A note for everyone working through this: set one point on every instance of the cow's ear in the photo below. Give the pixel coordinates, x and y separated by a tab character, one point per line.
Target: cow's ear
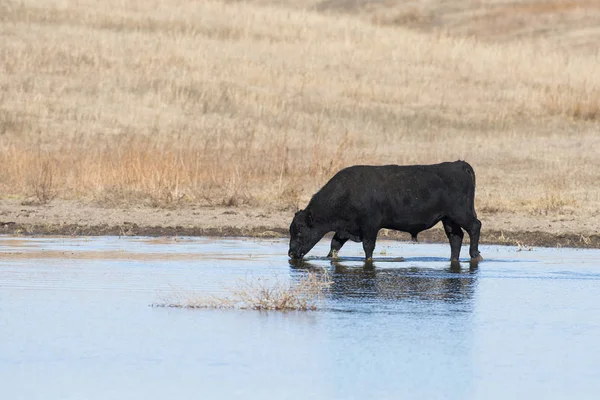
309	219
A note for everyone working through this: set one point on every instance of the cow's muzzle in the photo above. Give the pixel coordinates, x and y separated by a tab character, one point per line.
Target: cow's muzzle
295	256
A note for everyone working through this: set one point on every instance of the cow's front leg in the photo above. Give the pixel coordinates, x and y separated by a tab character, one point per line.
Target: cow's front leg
336	244
455	237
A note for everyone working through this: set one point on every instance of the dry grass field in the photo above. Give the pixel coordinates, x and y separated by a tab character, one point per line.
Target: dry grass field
570	25
176	103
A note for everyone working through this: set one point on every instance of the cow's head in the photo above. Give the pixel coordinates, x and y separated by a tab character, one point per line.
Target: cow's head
303	234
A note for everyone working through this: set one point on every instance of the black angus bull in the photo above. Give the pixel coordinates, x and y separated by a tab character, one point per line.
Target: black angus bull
360	200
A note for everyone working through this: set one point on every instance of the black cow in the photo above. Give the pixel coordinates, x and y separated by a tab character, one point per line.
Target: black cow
360	200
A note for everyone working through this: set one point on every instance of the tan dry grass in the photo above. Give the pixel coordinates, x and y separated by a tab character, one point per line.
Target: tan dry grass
572	25
170	102
261	295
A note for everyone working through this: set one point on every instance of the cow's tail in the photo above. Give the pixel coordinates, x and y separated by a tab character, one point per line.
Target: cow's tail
469	170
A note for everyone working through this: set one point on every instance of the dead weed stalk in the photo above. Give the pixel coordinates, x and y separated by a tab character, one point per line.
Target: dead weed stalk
263	294
42	184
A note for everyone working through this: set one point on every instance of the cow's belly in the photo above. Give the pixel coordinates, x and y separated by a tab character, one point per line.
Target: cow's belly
413	216
412	225
353	235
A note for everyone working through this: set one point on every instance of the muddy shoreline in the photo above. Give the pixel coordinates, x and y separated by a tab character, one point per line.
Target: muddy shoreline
523	239
76	218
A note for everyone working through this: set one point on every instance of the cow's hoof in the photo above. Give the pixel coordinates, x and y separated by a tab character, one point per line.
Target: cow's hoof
332	254
477	259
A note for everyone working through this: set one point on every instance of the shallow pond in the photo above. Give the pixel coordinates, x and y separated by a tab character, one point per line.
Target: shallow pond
76	323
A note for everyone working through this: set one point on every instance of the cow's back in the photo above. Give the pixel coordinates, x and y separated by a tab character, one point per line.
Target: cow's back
396	195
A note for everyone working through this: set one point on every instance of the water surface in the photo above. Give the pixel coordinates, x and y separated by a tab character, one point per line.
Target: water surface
75	323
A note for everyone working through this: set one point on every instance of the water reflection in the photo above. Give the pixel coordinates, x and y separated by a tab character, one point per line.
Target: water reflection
453	284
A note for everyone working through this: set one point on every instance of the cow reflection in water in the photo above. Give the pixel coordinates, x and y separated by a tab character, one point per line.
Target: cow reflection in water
450	284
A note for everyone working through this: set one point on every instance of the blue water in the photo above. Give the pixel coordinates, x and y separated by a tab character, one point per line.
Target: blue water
75	323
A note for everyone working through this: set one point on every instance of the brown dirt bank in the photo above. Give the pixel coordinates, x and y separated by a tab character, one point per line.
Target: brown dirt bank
73	218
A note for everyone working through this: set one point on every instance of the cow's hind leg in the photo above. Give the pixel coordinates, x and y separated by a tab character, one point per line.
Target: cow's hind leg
474	229
336	244
455	237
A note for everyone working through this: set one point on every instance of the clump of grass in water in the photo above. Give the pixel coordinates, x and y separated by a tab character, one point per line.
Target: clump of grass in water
263	295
